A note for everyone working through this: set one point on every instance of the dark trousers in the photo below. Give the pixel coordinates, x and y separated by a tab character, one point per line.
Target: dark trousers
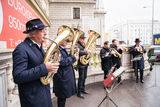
105	73
141	73
82	79
61	102
119	77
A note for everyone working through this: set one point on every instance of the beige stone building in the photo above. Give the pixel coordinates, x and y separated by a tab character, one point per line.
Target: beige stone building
83	14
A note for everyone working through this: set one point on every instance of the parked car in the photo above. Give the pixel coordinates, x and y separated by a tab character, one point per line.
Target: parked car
154	55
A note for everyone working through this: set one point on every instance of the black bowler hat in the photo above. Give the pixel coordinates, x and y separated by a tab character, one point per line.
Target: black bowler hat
82	36
34	24
137	40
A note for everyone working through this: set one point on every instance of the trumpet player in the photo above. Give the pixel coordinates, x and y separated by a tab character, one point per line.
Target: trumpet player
116	60
82	69
28	67
106	58
138	50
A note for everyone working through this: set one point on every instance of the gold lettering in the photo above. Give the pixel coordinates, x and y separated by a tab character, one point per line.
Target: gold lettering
157	41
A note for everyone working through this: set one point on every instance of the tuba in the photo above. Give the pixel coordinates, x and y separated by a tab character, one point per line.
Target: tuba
52	53
74	48
89	46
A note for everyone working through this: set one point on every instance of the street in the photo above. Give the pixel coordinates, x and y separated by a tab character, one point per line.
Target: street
128	94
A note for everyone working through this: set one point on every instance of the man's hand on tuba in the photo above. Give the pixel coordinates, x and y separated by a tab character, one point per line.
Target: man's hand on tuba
89	51
52	67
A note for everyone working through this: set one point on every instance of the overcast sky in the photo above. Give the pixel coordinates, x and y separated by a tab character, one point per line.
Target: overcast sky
121	10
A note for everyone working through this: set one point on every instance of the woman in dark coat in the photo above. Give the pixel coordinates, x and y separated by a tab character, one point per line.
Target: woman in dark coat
140	63
64	79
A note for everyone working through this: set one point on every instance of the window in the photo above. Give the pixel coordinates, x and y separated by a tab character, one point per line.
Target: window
76	13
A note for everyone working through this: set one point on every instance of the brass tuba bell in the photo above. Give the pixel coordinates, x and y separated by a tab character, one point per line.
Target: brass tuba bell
52	53
89	46
74	48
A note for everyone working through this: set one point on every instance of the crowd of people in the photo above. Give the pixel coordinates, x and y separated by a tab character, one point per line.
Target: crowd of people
28	67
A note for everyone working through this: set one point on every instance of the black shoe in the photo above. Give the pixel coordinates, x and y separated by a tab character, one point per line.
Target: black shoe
142	81
84	92
80	96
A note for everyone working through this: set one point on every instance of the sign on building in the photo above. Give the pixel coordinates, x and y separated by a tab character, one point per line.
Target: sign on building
156	39
13	16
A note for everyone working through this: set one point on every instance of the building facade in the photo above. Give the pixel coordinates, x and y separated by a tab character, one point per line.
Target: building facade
83	14
131	29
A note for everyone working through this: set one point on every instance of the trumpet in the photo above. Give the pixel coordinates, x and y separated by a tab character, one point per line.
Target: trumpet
123	48
139	49
115	52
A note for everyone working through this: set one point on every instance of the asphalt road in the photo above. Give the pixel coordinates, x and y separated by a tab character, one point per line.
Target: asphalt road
128	94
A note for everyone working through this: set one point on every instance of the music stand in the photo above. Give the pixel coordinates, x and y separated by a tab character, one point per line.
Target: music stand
111	79
136	59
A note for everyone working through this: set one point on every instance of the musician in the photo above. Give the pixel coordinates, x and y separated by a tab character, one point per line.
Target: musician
64	80
138	50
121	43
82	69
106	58
116	59
28	67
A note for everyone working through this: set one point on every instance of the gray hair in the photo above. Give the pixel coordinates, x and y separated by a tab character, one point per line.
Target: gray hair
31	33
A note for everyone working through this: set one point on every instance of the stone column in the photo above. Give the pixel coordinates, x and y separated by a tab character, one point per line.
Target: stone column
12	98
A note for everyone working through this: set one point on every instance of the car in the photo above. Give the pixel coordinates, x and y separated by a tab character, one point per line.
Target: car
153	55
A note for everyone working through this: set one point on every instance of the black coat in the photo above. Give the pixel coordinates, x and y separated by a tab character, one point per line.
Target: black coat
28	67
81	53
64	80
106	59
140	63
116	60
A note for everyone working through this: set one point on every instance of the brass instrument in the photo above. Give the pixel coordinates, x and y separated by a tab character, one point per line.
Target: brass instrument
52	53
139	49
74	48
89	46
115	53
124	48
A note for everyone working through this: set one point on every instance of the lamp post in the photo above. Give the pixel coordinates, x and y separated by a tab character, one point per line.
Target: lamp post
152	23
152	20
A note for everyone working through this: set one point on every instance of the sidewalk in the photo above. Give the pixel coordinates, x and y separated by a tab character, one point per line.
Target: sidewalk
129	94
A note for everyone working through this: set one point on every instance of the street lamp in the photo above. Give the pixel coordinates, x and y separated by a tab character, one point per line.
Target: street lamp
152	19
152	24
